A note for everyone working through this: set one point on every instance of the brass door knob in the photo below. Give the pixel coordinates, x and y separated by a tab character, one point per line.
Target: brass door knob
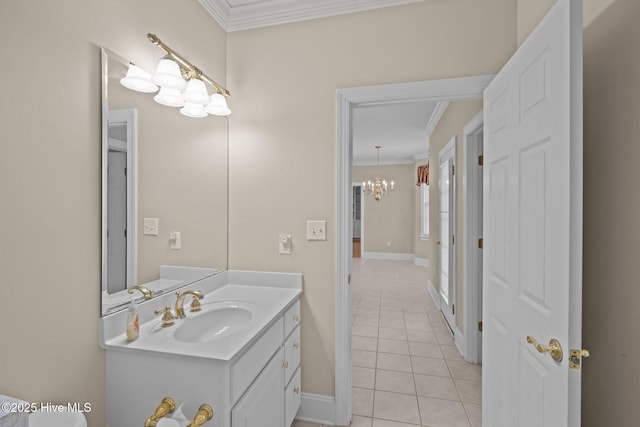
438	242
554	348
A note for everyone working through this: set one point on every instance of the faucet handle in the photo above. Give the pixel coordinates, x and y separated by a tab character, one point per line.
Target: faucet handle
167	316
195	305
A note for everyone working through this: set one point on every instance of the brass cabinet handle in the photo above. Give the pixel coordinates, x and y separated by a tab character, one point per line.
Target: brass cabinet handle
285	365
296	317
554	348
297	390
296	345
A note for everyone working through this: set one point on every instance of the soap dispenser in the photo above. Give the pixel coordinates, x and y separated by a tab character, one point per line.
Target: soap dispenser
133	324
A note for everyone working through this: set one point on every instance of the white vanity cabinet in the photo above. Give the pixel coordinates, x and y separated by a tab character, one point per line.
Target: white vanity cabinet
257	386
273	399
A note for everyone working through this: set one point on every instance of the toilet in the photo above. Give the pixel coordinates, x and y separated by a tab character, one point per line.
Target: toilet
57	419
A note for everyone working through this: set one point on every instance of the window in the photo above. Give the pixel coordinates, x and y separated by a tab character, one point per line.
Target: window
424	211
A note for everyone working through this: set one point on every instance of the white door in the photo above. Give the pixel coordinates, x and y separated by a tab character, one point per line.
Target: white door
533	228
447	159
117	221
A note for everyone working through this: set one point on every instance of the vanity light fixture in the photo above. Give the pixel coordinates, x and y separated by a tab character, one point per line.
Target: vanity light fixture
181	83
378	187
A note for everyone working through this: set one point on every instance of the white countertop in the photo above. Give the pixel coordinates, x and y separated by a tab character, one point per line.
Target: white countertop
269	301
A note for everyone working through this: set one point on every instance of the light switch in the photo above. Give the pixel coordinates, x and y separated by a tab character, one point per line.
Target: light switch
150	227
316	230
174	240
284	244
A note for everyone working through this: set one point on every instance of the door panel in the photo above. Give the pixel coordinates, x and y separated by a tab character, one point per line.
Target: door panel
532	225
447	232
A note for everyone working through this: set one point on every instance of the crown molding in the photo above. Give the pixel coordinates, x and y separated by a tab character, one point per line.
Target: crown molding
273	12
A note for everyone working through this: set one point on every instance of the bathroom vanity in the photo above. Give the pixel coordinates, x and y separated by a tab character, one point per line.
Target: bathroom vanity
240	353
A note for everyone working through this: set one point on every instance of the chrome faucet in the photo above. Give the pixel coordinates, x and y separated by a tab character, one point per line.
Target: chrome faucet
146	292
195	304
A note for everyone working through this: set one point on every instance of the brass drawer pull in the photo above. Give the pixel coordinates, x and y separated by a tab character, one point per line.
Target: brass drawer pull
296	345
297	390
285	365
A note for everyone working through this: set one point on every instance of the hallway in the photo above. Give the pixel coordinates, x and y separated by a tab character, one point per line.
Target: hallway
407	370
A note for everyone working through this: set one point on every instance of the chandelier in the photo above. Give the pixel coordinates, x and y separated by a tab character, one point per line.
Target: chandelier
378	187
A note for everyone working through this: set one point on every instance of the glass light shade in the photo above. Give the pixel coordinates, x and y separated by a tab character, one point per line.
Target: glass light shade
196	92
218	105
192	109
169	97
168	75
138	79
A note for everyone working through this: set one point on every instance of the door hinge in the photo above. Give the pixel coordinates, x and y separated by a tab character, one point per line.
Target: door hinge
453	169
348	279
453	309
480	243
481	160
480	326
453	239
575	358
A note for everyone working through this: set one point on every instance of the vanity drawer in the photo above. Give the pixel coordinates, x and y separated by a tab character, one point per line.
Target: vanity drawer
292	398
291	318
249	365
291	354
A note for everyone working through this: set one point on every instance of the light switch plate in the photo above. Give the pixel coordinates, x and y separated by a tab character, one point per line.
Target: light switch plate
316	230
174	240
150	227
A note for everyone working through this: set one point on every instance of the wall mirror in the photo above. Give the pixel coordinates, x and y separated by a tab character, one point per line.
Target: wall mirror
164	192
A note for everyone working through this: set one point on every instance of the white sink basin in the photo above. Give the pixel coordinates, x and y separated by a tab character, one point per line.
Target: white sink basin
215	321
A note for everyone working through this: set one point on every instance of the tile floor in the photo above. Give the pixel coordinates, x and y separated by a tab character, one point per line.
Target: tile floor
407	370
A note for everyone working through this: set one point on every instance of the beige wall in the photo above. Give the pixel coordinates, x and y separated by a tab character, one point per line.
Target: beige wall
611	379
388	223
457	115
283	130
50	179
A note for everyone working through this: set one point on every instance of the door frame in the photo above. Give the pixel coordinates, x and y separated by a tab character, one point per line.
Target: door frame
445	90
448	154
472	198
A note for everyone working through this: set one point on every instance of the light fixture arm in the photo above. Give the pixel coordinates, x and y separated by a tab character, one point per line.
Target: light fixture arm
192	69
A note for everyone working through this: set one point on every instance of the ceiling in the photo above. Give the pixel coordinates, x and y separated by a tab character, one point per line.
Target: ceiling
236	15
401	129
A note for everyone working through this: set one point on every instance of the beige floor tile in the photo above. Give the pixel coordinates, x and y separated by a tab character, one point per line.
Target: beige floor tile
463	370
362	401
442	413
364	331
364	359
422	325
393	346
445	338
393	333
394	362
430	366
451	352
392	323
438	387
384	314
425	349
396	407
366	321
397	382
474	412
358	421
364	343
363	377
470	390
387	423
421	336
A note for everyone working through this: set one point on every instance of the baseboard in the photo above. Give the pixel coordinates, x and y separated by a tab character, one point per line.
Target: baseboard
316	408
395	256
434	294
422	262
459	339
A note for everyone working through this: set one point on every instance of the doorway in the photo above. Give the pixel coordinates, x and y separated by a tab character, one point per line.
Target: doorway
348	99
358	223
